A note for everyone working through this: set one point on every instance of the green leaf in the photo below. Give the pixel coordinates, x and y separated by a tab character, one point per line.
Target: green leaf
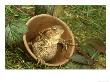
14	32
80	59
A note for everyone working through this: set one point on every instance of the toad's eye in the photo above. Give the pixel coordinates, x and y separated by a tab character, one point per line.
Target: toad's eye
54	28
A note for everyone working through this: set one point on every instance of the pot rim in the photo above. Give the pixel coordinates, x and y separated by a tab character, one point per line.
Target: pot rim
29	50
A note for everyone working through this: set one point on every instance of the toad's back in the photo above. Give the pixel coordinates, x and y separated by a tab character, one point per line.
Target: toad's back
45	45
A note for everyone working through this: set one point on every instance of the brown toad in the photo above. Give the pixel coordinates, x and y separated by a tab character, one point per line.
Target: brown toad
44	46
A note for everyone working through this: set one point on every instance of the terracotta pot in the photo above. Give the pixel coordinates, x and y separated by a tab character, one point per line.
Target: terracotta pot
40	22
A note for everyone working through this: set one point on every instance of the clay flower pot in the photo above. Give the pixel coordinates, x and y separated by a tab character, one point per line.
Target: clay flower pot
40	22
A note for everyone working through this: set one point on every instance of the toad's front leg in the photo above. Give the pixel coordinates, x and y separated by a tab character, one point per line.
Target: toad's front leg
65	44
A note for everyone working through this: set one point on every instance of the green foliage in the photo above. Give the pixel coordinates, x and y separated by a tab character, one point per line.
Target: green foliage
14	32
15	13
86	21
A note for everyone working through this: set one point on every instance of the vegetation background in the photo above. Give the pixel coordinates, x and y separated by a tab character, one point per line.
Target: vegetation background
87	22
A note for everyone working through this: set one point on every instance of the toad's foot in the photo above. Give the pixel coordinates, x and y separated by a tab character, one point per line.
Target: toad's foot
40	60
